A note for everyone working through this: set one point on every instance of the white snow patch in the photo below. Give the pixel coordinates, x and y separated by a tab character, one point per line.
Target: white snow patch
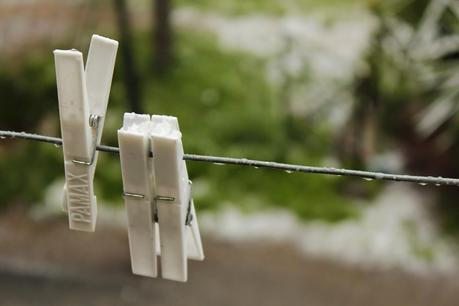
396	231
328	54
332	50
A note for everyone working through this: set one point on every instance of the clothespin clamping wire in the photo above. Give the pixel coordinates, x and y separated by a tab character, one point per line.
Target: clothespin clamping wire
83	98
157	192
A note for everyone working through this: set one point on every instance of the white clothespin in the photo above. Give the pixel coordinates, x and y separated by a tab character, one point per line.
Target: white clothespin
168	203
83	97
136	168
178	225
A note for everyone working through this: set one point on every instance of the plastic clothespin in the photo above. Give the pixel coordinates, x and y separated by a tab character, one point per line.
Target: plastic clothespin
157	193
178	226
83	98
136	168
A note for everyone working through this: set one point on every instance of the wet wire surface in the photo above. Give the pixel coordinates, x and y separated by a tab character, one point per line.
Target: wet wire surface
289	168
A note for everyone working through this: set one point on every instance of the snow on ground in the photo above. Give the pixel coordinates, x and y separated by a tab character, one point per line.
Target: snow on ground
396	231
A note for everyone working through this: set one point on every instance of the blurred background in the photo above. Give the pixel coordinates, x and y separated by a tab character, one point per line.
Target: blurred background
363	84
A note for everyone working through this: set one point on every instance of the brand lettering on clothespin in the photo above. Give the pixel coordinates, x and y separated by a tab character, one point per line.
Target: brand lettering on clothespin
83	97
79	198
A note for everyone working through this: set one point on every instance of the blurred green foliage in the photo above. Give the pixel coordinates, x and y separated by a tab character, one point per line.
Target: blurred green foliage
225	107
406	81
27	169
28	91
28	95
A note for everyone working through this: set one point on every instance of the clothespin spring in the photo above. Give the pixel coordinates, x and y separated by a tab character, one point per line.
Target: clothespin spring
94	121
133	195
189	215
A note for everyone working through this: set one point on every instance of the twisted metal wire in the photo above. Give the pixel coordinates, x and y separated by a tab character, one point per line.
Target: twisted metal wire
290	168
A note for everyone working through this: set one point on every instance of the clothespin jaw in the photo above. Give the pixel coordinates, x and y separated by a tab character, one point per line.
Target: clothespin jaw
173	199
83	97
136	170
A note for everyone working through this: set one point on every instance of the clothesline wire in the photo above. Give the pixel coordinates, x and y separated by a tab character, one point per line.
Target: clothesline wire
290	168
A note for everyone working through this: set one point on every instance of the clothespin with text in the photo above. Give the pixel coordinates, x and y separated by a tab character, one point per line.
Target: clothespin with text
83	98
160	210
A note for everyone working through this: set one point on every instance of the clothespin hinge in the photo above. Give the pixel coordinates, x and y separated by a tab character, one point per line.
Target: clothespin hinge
133	195
94	121
189	215
164	198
